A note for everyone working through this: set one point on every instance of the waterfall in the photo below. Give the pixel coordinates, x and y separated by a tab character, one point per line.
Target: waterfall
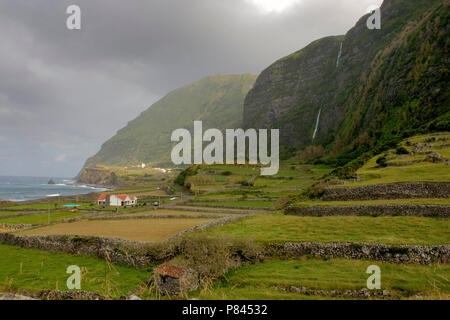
317	125
339	56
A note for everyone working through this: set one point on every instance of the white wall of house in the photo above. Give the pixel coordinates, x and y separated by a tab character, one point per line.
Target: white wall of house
115	201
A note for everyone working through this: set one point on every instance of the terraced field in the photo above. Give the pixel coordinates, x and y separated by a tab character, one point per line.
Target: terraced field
285	279
421	159
386	230
131	229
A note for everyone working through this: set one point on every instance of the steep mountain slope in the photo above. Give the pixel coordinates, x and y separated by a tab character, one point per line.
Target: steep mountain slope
217	100
363	90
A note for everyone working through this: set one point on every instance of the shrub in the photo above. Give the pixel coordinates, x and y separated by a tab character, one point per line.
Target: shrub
213	257
284	202
382	161
246	184
317	190
181	178
401	150
312	152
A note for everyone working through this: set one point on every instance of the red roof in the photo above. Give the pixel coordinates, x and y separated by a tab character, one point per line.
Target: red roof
171	271
122	197
102	197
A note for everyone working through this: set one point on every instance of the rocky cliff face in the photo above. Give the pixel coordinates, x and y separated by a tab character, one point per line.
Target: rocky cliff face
369	86
289	94
97	176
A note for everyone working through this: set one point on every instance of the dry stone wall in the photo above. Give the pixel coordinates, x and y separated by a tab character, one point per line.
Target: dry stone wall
378	252
389	191
372	210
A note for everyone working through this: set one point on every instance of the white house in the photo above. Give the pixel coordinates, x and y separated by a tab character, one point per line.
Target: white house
116	200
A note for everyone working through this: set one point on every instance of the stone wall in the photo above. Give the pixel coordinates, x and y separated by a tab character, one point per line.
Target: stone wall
134	253
70	295
378	252
15	227
140	254
389	191
372	210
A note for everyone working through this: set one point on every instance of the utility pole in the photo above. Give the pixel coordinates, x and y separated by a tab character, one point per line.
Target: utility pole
48	202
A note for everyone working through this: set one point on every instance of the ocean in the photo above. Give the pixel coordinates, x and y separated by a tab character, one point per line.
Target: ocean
30	188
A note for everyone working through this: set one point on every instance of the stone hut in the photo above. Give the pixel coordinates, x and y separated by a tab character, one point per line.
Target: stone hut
174	280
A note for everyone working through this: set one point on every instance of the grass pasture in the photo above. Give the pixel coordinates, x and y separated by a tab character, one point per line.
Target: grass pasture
387	230
42	218
129	229
36	270
267	280
221	182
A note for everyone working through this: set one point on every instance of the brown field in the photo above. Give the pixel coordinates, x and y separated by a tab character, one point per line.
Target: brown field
132	229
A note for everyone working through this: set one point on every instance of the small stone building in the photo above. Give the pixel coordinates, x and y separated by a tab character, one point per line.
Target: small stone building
175	281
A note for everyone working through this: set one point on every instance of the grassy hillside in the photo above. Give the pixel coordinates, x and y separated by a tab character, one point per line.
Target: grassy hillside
216	100
422	158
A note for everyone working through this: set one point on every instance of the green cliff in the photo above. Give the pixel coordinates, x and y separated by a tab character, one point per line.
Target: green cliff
371	87
217	101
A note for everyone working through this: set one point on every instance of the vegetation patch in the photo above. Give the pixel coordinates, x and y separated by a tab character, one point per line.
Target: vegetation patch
36	270
273	279
386	230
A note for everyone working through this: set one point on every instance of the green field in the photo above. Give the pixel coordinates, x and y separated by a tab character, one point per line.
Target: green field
221	182
42	218
267	280
36	270
387	230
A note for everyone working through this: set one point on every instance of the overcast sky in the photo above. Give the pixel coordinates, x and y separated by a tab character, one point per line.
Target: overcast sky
63	93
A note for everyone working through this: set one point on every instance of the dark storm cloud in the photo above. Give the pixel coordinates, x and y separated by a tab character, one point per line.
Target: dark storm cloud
63	93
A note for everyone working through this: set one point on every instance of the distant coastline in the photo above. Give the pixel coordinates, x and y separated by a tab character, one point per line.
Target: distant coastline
25	189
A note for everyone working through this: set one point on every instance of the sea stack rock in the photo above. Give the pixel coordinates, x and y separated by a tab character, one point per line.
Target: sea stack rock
51	181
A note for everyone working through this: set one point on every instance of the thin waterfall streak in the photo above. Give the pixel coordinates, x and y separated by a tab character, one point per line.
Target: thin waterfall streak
339	56
317	125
